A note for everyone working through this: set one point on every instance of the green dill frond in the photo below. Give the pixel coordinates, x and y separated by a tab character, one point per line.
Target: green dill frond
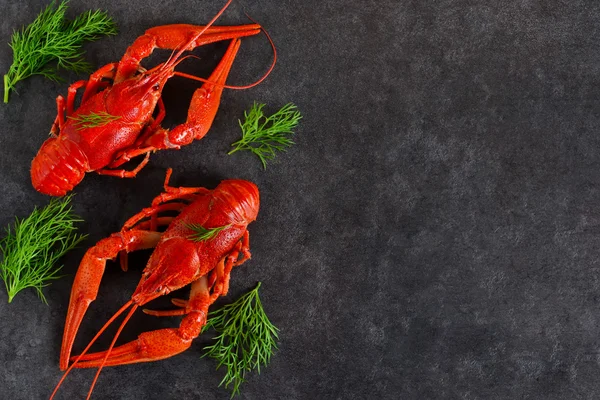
263	135
201	234
245	339
32	248
93	120
51	39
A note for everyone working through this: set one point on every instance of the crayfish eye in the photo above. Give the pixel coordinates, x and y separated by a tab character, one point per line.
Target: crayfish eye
156	87
158	289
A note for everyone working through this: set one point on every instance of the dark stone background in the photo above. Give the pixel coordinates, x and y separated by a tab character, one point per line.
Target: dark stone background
432	235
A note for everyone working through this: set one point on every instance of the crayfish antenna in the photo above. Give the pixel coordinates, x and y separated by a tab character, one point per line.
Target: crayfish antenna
274	57
110	349
262	78
162	69
106	325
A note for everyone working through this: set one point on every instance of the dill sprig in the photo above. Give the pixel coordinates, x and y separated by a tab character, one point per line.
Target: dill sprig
50	38
93	120
201	233
246	338
265	135
33	246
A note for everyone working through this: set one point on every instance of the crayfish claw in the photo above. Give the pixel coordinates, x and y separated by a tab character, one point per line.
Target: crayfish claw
149	346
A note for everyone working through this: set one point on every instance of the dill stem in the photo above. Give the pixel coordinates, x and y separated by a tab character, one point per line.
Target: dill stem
6	89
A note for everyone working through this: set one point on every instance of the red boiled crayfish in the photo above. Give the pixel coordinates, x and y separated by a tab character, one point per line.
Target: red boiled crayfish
178	259
115	122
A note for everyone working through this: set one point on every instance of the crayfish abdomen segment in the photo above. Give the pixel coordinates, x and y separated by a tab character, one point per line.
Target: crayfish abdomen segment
58	167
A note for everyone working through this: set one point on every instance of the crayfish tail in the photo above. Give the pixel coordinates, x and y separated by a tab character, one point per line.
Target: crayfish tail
58	167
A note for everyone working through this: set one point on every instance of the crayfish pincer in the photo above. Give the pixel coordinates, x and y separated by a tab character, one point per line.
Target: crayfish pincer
200	246
121	110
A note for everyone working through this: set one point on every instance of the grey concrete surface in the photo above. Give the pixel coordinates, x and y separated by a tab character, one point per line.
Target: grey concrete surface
434	233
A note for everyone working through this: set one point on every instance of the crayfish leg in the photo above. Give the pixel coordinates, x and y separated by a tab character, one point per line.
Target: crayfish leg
71	93
94	83
60	117
121	173
219	281
244	249
151	212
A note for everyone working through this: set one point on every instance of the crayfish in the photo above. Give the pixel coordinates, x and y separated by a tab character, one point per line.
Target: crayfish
180	257
115	120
